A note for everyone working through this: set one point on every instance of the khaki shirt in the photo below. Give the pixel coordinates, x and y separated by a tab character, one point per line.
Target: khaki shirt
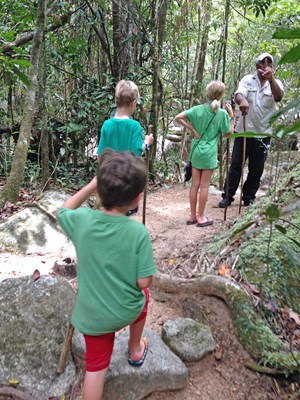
261	104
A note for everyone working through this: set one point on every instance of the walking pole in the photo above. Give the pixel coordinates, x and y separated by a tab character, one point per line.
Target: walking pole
243	163
145	189
227	178
65	349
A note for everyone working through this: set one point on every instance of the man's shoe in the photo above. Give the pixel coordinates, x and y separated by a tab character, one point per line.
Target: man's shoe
225	203
248	202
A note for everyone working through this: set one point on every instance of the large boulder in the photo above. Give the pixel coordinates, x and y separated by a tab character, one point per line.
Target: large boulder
33	319
189	339
33	229
162	370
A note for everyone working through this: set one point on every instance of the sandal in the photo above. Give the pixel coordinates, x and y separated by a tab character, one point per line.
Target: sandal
189	222
139	363
207	222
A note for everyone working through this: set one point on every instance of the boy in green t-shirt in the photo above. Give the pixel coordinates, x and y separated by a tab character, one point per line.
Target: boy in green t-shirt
121	132
115	265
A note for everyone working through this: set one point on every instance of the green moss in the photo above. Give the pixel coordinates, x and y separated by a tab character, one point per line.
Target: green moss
269	260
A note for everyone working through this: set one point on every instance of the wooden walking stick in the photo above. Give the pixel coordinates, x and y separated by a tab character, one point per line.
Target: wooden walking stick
147	151
65	349
243	163
227	178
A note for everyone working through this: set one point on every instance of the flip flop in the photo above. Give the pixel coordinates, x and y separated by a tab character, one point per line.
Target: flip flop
206	223
139	363
189	222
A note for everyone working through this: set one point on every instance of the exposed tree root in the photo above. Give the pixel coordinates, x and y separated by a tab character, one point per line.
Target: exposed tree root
257	338
11	392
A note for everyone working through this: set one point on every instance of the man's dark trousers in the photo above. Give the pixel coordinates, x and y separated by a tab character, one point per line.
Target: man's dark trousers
256	153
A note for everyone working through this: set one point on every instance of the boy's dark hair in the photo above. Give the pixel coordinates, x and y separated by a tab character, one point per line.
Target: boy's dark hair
121	178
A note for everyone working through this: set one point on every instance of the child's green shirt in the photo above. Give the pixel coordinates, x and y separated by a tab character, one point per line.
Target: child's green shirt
121	135
112	253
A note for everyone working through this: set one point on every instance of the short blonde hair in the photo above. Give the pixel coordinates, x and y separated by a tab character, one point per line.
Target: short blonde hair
214	92
126	92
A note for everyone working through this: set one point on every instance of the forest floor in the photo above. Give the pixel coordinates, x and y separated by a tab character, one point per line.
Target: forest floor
219	376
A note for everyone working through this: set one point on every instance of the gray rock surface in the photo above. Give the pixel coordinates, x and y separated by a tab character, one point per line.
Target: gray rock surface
31	230
33	318
162	370
189	339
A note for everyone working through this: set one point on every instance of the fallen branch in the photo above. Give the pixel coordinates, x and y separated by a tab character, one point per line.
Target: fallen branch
17	394
42	209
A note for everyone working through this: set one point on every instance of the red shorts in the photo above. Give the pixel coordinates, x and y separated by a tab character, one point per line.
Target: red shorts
99	348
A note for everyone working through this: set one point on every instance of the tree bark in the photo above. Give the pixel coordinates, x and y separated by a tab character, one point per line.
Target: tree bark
205	31
16	177
159	21
184	146
221	149
44	140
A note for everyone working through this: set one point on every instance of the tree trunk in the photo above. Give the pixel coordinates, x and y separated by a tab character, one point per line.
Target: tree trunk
16	177
120	38
205	31
44	140
226	17
184	150
159	21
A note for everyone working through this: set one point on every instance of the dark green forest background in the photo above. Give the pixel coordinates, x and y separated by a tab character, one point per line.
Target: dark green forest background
60	61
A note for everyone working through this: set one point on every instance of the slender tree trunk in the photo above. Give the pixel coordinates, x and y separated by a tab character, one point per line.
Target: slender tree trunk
205	31
16	177
159	21
44	140
197	56
221	150
184	146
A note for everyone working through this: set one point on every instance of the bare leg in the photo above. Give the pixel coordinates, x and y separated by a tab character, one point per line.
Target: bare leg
135	344
93	385
203	194
194	192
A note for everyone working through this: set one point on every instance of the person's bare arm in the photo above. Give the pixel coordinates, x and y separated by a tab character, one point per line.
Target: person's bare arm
144	283
181	120
229	109
148	140
242	103
277	92
80	197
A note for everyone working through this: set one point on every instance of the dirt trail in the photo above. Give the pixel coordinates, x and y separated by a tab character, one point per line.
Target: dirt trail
209	379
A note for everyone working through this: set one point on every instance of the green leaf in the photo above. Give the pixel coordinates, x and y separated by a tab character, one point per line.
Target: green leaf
295	241
250	134
272	213
23	78
294	104
244	227
23	63
281	229
294	128
291	56
292	255
287	34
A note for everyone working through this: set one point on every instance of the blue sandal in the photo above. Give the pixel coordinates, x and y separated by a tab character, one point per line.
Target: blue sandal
139	363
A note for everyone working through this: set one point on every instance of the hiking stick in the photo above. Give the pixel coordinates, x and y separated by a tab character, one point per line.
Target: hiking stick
147	154
243	163
227	177
145	189
65	349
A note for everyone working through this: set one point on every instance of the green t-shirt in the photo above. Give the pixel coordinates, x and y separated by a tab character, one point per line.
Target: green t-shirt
121	135
112	253
205	155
